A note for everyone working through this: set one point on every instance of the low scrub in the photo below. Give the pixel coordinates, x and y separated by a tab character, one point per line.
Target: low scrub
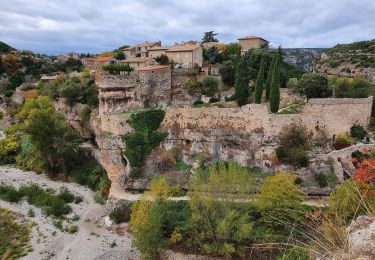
121	213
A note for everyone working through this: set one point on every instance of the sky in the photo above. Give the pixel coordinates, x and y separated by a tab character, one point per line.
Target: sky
60	26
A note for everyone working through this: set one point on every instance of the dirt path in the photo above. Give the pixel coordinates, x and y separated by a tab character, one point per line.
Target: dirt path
92	241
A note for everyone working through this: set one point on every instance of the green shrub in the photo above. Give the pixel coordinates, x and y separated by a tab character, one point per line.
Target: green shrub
321	179
8	92
85	114
9	148
198	103
210	86
177	191
295	253
65	195
121	213
98	198
1	115
116	69
343	139
72	229
281	153
9	193
58	223
181	166
214	100
298	181
358	132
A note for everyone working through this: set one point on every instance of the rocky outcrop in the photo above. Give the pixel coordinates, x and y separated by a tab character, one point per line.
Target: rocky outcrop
303	58
361	235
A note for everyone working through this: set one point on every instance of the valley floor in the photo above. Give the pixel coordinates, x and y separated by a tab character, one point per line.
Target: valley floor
92	241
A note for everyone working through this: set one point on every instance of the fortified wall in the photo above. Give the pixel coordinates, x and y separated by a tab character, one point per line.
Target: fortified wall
243	134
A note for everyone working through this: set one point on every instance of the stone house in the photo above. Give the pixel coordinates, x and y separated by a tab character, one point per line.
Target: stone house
88	63
102	60
251	42
140	50
218	45
186	55
157	51
137	62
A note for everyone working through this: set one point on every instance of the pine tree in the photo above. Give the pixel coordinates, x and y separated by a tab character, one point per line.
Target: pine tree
275	87
241	84
269	78
260	82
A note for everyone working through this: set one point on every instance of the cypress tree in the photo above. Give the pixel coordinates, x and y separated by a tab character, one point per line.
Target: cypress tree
260	82
275	87
269	78
241	85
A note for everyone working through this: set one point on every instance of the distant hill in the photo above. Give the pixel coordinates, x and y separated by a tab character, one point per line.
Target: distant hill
354	59
303	58
5	48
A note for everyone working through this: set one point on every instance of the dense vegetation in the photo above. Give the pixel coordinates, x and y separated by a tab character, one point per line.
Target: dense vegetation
219	218
75	90
14	236
145	137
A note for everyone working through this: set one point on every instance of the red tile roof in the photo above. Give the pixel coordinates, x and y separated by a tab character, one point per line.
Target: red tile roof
103	58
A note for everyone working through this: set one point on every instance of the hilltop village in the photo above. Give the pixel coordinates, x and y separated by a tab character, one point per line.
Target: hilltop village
196	150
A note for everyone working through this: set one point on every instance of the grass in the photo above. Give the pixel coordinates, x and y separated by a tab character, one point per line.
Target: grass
181	166
52	204
294	108
14	236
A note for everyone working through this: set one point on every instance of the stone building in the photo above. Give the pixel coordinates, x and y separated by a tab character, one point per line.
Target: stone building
139	50
137	62
186	55
251	42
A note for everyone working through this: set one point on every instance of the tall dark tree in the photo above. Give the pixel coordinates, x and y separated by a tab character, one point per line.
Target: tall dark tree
241	84
269	78
213	55
275	86
260	82
209	37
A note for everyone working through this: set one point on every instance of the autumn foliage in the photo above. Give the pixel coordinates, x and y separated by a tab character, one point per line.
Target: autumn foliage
365	172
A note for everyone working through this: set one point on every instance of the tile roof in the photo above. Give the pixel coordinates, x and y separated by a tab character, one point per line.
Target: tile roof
147	44
158	48
251	37
154	67
183	47
103	58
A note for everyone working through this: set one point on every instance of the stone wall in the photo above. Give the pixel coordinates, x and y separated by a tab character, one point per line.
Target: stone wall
243	134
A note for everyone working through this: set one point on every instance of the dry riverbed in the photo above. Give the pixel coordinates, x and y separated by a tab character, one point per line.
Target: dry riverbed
93	240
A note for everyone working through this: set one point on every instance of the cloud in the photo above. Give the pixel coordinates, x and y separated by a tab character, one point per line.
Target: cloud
53	27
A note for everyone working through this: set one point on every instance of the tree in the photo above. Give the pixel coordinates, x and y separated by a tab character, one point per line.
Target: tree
232	51
119	55
217	226
10	63
241	84
213	55
260	83
55	143
228	72
210	86
314	85
72	91
209	37
269	78
162	59
275	87
146	219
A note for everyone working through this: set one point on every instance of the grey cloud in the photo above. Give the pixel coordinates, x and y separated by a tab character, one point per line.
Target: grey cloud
55	27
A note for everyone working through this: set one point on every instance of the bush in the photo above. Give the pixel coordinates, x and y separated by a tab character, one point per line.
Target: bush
321	179
314	86
1	115
71	91
116	69
121	213
72	229
162	59
9	148
214	100
295	253
358	132
85	114
181	166
210	86
65	195
294	143
197	103
343	139
9	193
228	72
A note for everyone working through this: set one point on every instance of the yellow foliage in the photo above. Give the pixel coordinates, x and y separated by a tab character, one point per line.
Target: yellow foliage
159	188
176	236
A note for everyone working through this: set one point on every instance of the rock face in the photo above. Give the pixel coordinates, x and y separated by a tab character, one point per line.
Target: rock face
303	58
361	235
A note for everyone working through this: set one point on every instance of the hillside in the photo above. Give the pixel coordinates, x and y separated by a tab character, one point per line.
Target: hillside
5	48
303	58
354	59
